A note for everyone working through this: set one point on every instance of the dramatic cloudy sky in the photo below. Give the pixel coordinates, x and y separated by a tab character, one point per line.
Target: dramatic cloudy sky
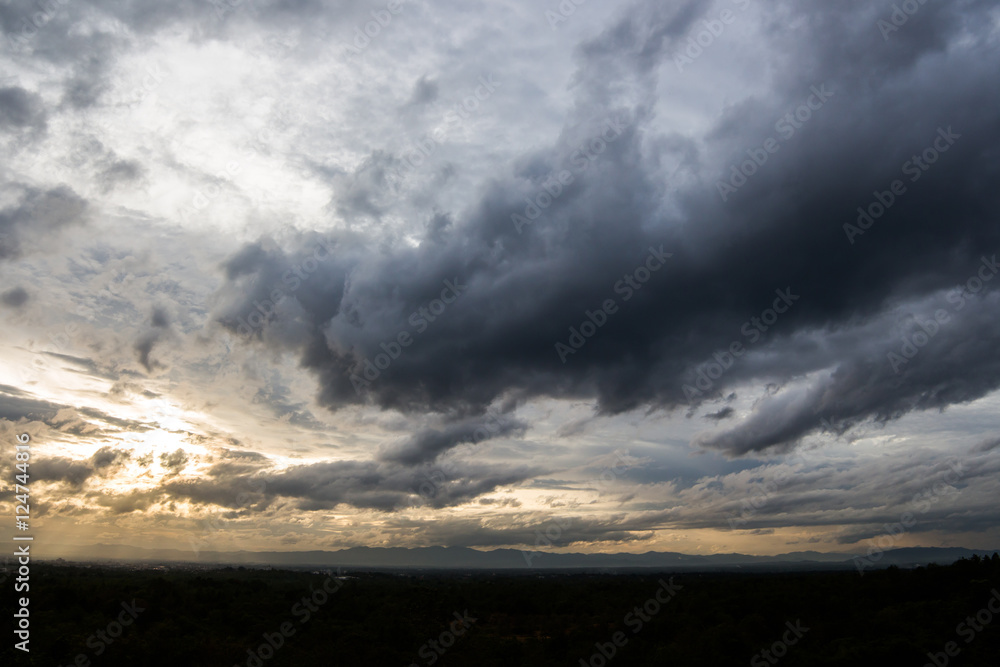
268	282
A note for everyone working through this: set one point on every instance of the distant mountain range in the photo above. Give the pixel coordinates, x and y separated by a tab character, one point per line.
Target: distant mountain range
461	558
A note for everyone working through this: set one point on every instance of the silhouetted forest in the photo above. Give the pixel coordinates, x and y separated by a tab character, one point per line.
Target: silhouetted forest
146	617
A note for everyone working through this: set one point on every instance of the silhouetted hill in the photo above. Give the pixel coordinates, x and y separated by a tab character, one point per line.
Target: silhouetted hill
513	559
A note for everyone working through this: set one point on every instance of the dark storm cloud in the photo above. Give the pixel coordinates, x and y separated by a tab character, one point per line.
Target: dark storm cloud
887	100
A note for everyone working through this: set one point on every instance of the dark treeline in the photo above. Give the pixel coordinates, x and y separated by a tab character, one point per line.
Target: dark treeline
86	616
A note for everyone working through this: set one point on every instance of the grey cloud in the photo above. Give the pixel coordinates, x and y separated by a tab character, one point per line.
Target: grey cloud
121	172
159	329
368	191
68	420
724	413
129	425
88	81
37	213
361	484
15	297
124	503
242	455
60	469
19	405
522	529
857	500
988	445
425	91
428	444
20	108
174	461
109	458
233	468
144	347
275	397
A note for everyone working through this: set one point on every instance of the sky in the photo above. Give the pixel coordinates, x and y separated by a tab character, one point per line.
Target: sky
690	276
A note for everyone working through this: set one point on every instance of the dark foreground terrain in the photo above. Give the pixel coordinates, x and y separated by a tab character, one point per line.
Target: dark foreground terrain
121	616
